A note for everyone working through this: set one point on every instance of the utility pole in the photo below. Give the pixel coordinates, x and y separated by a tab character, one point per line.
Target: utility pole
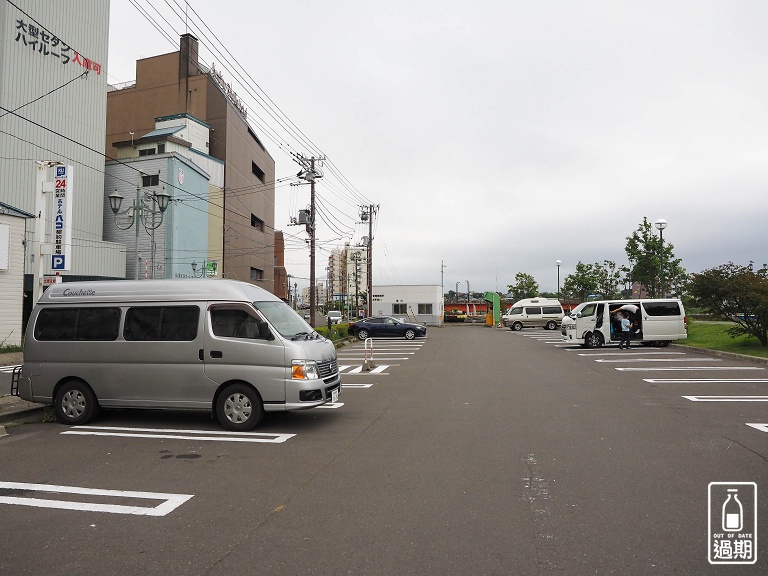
309	174
372	210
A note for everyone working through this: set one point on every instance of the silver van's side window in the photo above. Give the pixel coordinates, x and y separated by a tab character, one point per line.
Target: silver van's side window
71	324
662	308
533	310
552	310
161	323
237	323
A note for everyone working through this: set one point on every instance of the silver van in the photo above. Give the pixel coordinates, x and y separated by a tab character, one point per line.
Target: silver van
545	313
222	346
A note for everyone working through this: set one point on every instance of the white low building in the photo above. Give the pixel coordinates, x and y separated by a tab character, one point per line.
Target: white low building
414	303
13	229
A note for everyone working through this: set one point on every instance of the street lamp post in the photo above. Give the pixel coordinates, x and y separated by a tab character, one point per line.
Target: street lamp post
660	225
207	266
468	298
558	262
139	210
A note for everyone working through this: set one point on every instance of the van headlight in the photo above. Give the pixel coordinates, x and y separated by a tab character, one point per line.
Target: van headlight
304	370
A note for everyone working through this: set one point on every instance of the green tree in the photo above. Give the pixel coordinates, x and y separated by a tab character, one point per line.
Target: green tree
525	286
652	263
581	283
739	293
609	279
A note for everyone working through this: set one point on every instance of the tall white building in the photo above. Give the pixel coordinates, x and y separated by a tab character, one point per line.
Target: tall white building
53	84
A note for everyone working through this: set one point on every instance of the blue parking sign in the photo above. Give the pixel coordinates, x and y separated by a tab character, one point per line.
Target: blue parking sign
58	262
61	171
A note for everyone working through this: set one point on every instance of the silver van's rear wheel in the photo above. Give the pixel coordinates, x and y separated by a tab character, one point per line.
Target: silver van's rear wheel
239	408
75	403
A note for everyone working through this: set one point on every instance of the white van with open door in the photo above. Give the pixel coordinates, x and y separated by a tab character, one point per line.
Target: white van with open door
657	322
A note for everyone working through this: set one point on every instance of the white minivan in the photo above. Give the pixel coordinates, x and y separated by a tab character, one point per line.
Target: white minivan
534	312
221	346
654	321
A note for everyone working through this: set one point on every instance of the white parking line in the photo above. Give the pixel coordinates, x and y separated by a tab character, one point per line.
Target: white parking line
727	398
332	405
345	385
9	369
204	435
625	354
378	370
170	501
702	380
761	427
660	360
681	368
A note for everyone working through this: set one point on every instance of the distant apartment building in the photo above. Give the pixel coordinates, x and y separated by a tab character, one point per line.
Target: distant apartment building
348	274
177	85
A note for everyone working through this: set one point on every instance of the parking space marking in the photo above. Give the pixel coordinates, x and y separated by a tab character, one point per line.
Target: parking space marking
625	354
345	385
703	380
681	368
727	398
9	369
169	501
203	435
761	427
608	360
332	405
359	370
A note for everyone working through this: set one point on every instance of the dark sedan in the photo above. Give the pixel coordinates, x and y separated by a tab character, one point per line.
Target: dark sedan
386	326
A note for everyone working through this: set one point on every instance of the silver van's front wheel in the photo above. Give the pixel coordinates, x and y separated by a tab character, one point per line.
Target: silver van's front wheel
239	408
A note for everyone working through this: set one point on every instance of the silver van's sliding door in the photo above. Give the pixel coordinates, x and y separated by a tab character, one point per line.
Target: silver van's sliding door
160	363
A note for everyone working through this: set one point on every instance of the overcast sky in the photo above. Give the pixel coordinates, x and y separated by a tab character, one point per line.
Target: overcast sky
500	136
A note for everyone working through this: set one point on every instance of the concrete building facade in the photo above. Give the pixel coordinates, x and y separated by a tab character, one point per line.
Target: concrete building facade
176	84
57	51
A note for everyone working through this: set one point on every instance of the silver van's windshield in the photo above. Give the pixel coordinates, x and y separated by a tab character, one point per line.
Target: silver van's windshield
285	319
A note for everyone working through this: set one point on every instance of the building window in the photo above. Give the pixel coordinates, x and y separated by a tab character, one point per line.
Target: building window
257	274
147	151
258	171
399	308
161	148
257	222
150	180
425	308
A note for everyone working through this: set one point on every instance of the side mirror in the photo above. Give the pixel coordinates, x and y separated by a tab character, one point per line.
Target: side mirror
578	315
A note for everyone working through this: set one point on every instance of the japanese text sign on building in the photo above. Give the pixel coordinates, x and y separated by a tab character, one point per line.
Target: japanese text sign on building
732	523
62	219
44	43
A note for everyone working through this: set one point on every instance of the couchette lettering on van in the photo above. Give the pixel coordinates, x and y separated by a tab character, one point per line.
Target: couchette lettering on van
81	292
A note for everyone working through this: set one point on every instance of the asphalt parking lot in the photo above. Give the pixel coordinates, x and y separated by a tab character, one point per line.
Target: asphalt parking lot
473	451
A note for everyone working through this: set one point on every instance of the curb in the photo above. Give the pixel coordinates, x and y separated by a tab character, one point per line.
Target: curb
720	354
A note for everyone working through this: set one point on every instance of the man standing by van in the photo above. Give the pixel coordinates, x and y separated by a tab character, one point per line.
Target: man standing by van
625	326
